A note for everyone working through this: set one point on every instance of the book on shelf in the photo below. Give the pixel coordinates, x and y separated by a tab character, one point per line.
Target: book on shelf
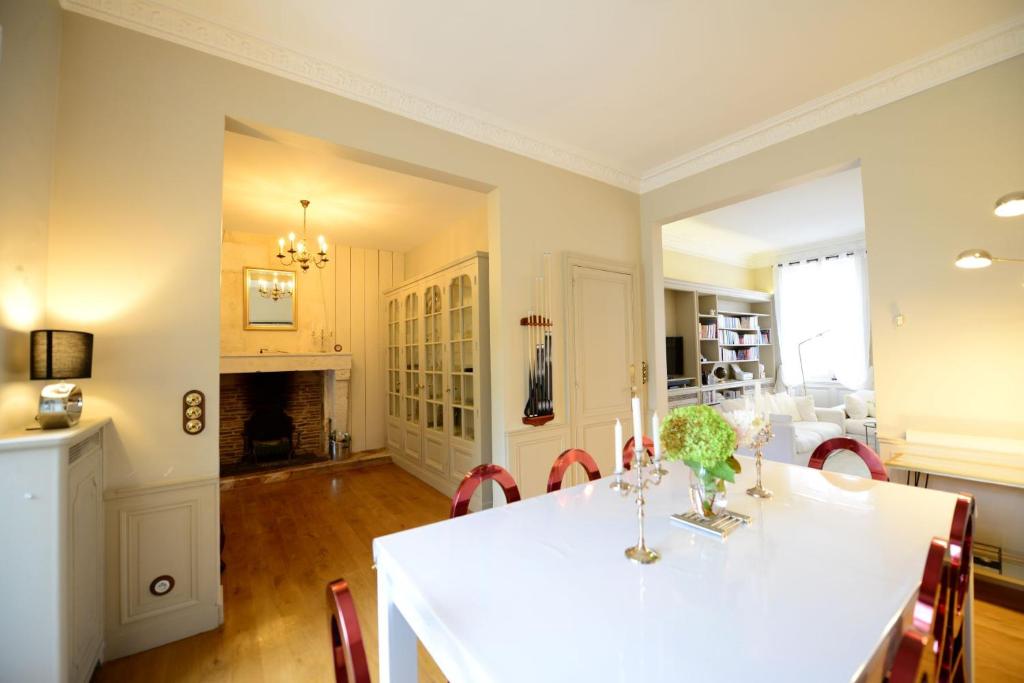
730	322
765	337
740	354
708	331
731	337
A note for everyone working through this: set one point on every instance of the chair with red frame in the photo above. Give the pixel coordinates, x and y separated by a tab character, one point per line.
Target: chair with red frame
477	476
347	650
629	451
841	443
566	460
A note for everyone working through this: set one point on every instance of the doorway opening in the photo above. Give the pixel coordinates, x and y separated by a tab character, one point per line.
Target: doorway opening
770	294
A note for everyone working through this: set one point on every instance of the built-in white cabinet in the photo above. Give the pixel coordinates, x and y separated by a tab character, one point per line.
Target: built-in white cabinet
438	373
51	579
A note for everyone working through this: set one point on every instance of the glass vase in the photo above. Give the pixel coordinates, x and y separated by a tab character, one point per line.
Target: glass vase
707	493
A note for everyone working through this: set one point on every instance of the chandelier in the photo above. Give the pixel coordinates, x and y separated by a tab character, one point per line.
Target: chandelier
276	290
297	251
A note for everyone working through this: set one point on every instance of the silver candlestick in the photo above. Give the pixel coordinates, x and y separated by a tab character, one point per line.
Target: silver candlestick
640	553
763	437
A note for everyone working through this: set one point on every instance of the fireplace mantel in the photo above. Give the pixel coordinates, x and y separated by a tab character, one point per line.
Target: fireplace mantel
339	363
336	369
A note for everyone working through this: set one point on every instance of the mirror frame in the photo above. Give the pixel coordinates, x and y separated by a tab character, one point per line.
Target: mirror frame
268	327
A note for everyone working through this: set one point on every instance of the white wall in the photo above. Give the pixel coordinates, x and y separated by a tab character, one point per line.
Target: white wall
135	235
932	165
29	68
448	245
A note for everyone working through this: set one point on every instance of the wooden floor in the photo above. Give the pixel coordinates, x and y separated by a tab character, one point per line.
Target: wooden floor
287	540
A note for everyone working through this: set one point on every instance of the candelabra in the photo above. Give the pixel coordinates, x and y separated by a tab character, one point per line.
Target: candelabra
762	437
640	553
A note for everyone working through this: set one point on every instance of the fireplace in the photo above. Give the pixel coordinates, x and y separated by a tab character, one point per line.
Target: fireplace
310	389
270	416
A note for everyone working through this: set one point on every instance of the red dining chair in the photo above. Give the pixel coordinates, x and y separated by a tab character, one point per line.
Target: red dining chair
841	443
347	648
566	460
477	476
919	654
629	451
961	549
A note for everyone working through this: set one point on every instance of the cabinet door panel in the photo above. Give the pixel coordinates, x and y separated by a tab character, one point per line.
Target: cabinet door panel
85	515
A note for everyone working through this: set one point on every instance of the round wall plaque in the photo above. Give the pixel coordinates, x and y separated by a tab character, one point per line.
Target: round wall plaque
162	585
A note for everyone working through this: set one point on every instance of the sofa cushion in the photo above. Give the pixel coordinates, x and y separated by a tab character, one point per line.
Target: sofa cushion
856	406
785	405
805	406
824	430
855	428
805	442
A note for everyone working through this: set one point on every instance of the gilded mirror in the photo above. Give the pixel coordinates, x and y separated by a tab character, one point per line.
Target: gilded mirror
269	301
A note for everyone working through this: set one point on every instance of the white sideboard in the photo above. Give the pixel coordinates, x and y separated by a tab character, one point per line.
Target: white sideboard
51	576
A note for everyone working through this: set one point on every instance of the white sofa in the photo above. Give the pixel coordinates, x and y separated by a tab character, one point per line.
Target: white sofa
795	439
857	408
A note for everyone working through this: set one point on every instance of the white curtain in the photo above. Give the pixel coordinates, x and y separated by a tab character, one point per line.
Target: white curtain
826	296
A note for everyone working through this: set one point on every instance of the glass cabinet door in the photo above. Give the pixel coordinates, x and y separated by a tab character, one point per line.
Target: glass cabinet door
433	357
411	344
394	365
460	372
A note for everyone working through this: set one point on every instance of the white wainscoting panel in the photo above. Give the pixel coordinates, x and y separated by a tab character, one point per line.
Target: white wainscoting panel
530	456
154	531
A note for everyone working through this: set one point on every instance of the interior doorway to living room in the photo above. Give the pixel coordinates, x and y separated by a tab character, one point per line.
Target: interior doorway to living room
772	292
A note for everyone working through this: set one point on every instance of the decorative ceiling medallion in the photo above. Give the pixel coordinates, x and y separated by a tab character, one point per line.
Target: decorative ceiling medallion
956	59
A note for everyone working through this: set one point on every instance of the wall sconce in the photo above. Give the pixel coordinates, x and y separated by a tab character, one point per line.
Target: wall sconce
1010	205
1007	206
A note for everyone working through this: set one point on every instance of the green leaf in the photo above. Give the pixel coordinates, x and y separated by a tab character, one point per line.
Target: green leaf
734	464
723	470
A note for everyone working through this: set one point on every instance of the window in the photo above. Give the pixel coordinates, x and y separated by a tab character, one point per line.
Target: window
821	305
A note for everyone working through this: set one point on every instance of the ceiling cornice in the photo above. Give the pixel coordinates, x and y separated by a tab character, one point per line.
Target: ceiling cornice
682	245
976	51
161	21
959	58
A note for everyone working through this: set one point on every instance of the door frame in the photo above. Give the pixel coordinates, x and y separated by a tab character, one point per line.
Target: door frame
570	261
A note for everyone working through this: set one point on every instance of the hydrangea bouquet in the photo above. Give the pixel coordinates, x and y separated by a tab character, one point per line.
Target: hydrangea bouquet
700	438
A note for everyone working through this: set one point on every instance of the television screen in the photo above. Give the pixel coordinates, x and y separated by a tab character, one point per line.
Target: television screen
674	356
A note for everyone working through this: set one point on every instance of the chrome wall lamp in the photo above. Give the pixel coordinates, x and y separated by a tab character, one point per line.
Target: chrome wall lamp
1007	206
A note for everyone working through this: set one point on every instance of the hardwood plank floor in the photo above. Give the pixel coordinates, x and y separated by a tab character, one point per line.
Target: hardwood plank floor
287	540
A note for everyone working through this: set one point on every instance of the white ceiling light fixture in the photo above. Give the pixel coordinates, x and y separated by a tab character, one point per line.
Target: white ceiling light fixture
973	259
1010	205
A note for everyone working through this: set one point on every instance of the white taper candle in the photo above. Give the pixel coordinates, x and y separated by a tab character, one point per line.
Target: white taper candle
638	428
618	447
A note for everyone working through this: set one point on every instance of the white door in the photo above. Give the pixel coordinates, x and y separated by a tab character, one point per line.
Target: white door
393	374
435	441
603	357
462	372
411	384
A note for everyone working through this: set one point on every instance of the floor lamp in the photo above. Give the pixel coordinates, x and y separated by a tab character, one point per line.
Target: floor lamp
800	355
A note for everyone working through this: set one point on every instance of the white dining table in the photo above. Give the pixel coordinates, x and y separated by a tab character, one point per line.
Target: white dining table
818	587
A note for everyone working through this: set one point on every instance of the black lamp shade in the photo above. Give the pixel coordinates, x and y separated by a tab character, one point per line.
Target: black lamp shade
60	354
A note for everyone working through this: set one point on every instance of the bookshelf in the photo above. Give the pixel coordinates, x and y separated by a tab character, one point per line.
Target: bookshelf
728	338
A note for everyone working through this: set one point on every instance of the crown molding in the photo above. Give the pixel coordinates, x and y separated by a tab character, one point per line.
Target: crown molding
162	21
959	58
681	245
973	52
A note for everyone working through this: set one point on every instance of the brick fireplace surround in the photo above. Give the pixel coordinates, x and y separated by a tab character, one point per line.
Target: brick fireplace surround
241	394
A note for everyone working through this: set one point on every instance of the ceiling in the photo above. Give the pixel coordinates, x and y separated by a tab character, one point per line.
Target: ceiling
351	203
752	233
633	92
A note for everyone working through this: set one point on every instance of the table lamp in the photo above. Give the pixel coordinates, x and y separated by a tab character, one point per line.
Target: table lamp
60	354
